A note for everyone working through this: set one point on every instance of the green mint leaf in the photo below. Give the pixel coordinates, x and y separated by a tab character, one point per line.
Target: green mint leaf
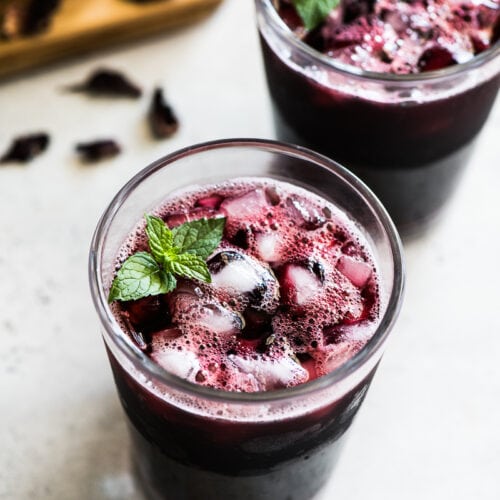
140	276
313	12
200	237
189	265
181	251
160	237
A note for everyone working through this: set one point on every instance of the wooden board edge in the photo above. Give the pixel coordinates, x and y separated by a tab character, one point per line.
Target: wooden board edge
50	50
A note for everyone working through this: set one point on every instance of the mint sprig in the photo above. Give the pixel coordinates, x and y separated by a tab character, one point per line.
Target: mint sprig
190	266
139	276
160	238
313	12
201	238
180	251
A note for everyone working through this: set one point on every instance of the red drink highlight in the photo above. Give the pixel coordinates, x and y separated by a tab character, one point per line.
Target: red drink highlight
293	293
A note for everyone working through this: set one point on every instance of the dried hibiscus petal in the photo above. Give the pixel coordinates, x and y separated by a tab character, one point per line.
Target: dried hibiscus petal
98	150
162	118
435	58
315	38
353	9
108	83
25	148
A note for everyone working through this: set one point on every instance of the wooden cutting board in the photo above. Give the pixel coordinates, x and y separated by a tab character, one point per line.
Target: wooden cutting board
80	26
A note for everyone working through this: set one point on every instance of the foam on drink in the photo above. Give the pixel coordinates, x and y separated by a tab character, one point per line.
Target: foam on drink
401	37
294	290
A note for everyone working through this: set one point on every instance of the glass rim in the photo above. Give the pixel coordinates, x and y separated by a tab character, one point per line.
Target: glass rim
281	29
134	354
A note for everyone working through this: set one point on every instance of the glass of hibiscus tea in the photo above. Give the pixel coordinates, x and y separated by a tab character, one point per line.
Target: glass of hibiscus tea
397	91
245	289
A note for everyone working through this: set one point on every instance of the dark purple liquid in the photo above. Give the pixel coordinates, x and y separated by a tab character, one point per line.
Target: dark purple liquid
411	155
181	456
319	301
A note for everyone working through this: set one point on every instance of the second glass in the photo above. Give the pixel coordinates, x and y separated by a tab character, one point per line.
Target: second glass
195	442
407	136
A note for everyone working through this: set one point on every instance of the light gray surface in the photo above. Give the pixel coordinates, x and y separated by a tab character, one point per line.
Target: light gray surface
430	425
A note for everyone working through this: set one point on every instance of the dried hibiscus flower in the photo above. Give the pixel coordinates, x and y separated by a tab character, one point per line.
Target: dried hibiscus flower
25	148
162	118
107	83
98	150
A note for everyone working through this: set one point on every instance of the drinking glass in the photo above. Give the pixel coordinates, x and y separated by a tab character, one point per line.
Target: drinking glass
194	442
408	137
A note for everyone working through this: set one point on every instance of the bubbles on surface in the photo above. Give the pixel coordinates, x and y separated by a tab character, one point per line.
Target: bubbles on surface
293	293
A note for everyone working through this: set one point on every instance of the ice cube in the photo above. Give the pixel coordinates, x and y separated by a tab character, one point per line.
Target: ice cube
219	319
268	246
239	274
357	272
309	364
299	285
240	381
271	373
246	206
339	354
183	363
189	311
307	217
341	333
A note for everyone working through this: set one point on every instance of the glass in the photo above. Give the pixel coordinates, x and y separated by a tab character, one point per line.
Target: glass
193	442
408	137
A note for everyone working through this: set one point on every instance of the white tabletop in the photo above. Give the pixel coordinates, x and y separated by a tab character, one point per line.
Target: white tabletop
430	425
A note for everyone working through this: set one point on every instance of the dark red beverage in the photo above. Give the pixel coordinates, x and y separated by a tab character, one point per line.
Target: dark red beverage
229	389
401	114
179	455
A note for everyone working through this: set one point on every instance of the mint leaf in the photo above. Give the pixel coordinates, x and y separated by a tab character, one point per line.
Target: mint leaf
200	237
312	12
191	266
181	251
140	276
160	237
